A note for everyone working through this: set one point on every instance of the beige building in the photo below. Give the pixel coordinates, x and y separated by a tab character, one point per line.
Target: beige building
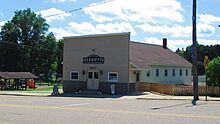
111	61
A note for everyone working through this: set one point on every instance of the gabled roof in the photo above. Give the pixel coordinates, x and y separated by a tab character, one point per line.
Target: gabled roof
145	55
17	75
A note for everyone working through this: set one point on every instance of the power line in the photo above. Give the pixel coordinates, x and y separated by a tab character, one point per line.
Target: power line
81	8
15	44
22	46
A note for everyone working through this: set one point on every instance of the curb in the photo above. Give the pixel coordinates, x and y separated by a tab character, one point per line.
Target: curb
160	99
25	94
210	99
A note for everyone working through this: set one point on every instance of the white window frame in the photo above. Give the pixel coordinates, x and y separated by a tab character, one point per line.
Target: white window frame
112	73
71	75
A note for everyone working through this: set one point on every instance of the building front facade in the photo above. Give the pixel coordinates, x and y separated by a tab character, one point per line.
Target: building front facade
96	62
101	62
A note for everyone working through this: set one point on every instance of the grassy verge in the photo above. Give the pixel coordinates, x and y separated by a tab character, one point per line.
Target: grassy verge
39	89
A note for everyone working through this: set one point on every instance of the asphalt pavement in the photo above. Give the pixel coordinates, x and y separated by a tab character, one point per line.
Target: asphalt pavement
66	109
137	95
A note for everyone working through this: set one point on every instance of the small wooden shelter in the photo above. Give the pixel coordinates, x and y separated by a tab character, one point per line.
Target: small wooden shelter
15	80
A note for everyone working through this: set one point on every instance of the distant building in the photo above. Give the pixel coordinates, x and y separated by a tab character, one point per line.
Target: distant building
97	62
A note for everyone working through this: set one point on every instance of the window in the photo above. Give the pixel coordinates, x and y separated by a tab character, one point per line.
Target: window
157	72
174	72
165	73
137	77
74	75
90	75
96	75
181	73
148	73
113	76
186	72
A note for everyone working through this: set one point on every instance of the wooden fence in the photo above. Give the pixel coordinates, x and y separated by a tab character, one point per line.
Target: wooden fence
174	89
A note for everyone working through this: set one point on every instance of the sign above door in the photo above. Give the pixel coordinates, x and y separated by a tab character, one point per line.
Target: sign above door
93	59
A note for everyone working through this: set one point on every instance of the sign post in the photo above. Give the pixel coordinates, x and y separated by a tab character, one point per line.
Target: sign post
206	62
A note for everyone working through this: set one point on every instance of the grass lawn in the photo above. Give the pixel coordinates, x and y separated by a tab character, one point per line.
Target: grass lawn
39	89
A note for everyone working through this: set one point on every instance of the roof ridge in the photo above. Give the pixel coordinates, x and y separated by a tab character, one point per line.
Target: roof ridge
139	42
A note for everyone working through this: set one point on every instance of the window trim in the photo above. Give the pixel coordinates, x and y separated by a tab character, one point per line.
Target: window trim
113	73
74	72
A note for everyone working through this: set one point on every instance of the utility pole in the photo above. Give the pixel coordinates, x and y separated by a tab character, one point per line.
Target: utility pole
195	73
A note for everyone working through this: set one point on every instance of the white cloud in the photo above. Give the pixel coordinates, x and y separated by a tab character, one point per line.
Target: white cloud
61	1
88	28
137	11
62	32
208	19
204	30
174	31
83	28
171	44
116	27
175	44
53	11
209	42
2	23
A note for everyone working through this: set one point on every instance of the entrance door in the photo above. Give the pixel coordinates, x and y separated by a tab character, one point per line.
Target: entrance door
93	80
137	77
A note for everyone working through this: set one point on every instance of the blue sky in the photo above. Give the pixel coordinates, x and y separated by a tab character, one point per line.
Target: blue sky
148	20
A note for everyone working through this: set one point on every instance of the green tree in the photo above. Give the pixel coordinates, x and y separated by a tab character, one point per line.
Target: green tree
59	53
210	51
26	46
213	72
27	30
48	56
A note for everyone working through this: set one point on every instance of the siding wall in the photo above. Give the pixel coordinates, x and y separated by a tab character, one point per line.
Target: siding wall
169	79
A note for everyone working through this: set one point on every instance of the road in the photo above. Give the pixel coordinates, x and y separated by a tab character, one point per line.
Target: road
72	110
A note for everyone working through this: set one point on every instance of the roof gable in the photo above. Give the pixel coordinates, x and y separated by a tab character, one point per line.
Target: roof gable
145	55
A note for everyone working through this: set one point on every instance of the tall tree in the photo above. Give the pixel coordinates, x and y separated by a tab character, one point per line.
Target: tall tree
26	29
213	72
48	55
210	51
59	53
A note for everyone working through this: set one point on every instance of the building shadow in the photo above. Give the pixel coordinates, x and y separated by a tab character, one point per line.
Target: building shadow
96	95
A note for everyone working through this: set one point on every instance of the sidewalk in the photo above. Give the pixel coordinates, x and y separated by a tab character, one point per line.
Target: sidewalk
138	96
15	93
156	96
